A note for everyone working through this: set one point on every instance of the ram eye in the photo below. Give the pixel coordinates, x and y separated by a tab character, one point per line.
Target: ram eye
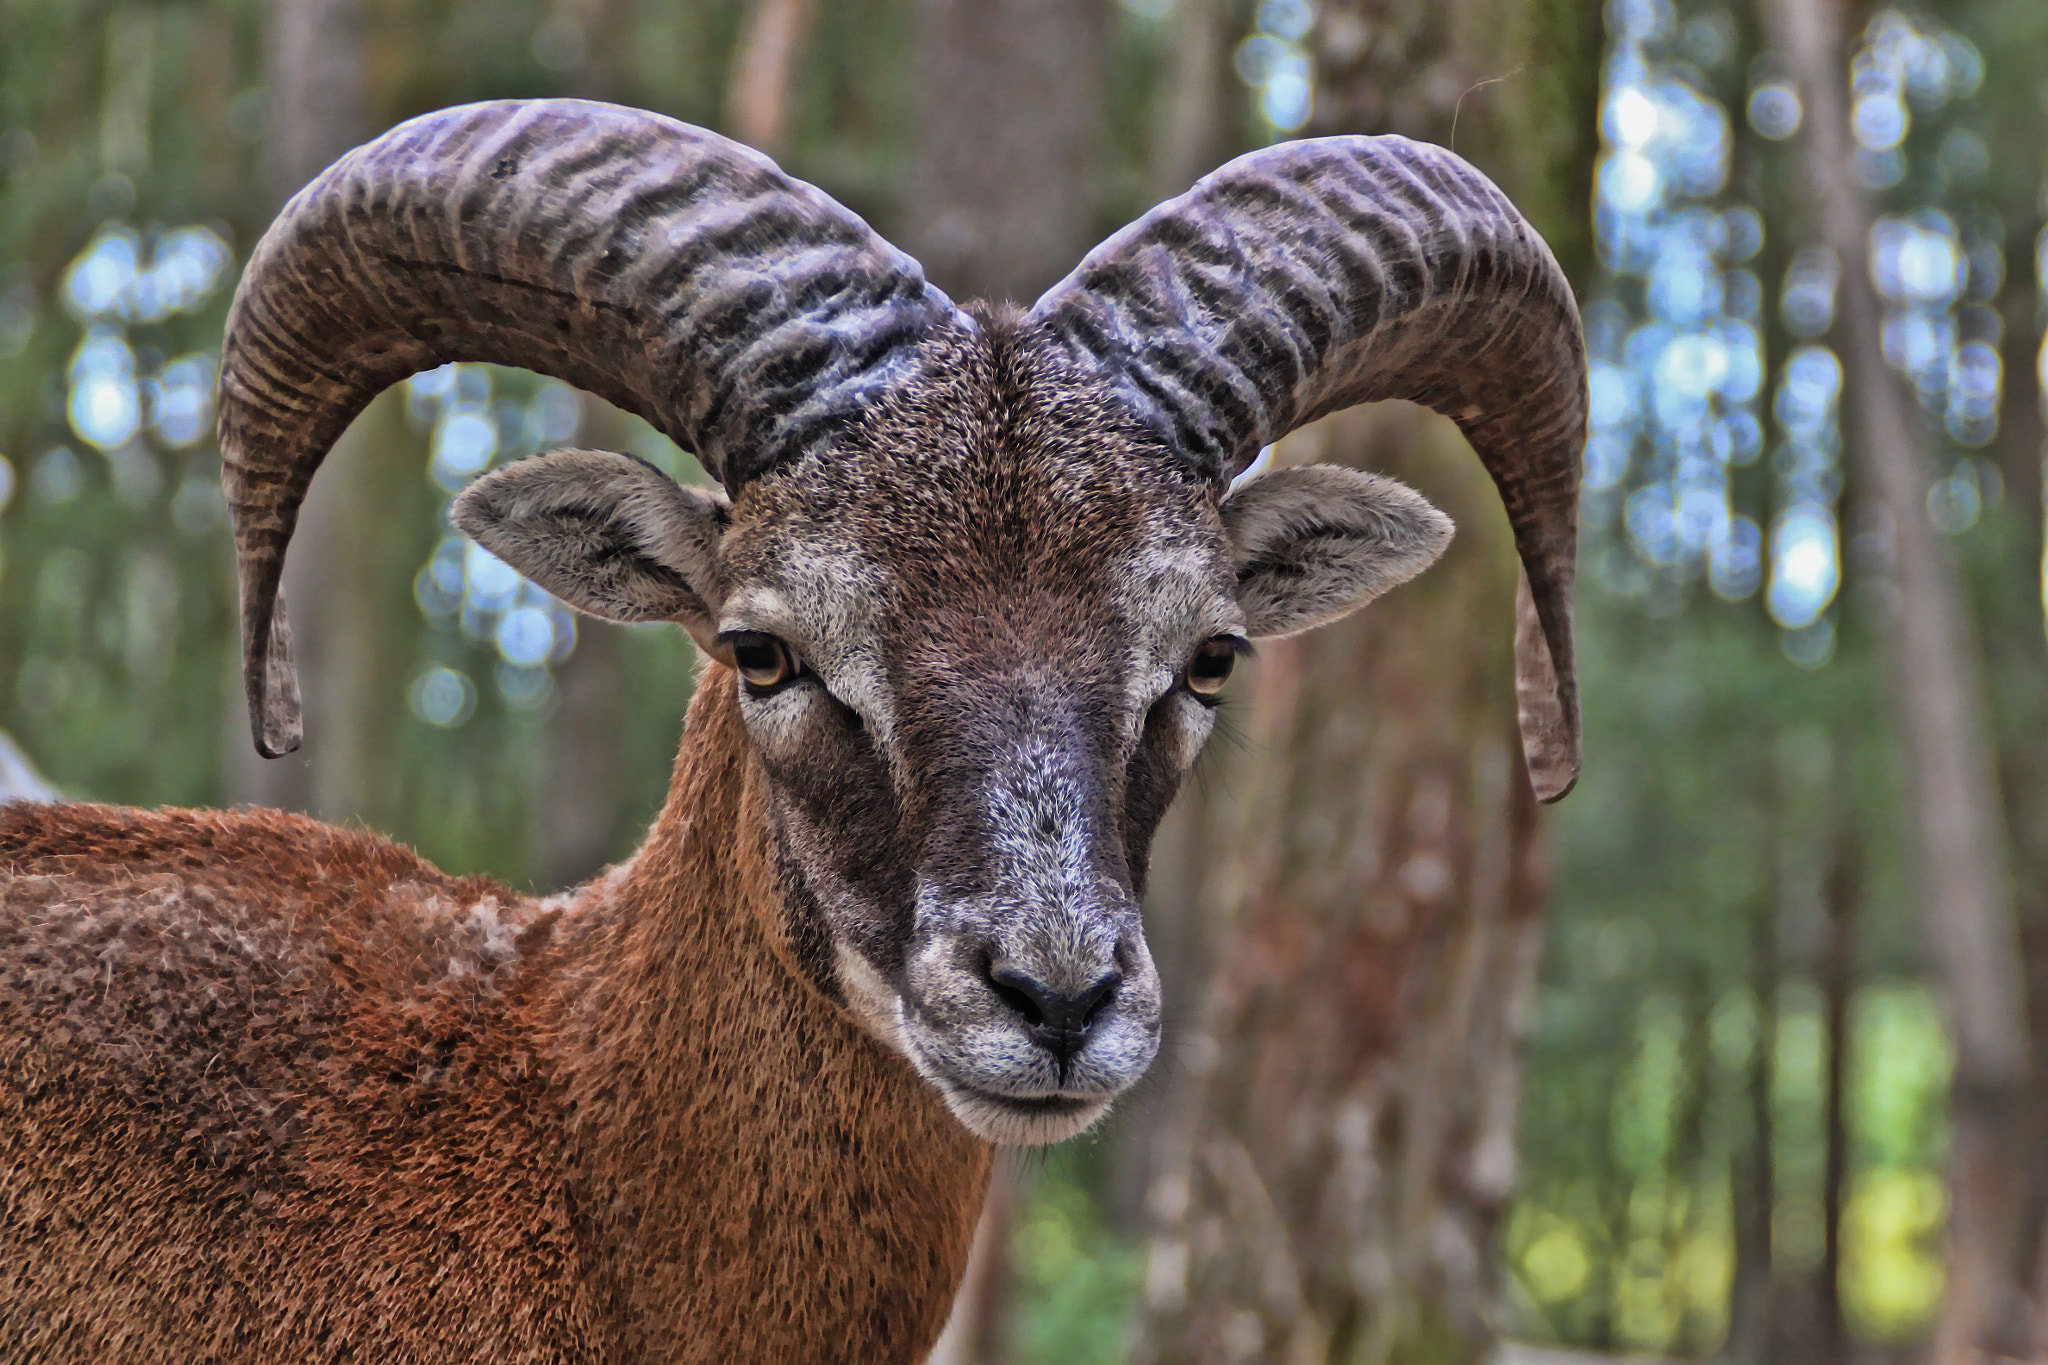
762	660
1210	668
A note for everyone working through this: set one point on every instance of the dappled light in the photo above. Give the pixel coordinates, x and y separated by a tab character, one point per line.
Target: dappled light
1677	336
1718	493
475	419
1273	62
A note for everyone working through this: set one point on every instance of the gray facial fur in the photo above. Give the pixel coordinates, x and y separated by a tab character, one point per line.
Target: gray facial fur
995	588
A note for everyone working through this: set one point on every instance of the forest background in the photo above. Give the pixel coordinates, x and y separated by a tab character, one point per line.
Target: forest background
1737	1051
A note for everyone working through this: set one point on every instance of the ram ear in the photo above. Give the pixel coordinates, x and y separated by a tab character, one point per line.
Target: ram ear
609	534
1318	542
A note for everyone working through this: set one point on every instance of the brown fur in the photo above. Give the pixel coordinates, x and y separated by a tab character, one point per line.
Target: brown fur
277	1091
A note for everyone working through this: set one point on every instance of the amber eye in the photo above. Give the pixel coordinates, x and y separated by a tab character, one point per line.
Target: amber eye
762	660
1210	668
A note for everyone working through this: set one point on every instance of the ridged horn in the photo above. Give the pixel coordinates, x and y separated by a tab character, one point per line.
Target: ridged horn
673	272
1314	275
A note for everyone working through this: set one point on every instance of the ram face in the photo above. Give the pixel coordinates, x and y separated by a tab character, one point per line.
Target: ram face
978	575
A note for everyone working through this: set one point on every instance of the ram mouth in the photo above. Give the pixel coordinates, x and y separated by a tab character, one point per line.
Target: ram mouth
1023	1120
1035	1104
1026	1120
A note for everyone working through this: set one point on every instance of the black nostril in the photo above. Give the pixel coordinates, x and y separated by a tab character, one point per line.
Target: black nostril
1093	1001
1058	1022
1019	992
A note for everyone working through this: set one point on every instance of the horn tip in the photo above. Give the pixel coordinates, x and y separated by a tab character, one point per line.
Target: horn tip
276	716
277	727
276	748
1550	754
1552	788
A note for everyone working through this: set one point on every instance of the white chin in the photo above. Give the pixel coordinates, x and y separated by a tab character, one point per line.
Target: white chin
1024	1123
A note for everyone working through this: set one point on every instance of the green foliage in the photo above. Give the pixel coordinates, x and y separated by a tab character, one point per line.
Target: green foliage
1076	1278
1729	765
1722	769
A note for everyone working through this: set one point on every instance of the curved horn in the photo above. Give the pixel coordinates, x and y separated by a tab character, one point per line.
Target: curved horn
677	274
1314	275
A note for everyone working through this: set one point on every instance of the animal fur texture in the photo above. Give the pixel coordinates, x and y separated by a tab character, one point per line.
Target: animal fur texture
283	1092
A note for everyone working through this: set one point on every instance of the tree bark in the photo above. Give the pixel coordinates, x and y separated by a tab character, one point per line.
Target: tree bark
1842	896
1750	1340
1370	865
974	1332
1937	692
576	820
1011	102
1200	110
2015	35
314	88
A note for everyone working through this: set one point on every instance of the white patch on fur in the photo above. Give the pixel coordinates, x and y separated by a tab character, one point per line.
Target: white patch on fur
756	606
838	589
860	681
873	1001
487	932
500	939
1020	1126
1196	723
776	720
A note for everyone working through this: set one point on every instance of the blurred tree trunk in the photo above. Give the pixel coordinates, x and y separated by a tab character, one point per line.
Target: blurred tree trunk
1686	1168
757	91
1202	110
314	88
1752	1170
581	799
595	37
1011	100
1001	207
974	1334
1370	864
1957	823
2015	35
1842	896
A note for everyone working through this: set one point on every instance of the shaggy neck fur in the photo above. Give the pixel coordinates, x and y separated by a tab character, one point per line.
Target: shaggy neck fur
746	1152
274	1091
